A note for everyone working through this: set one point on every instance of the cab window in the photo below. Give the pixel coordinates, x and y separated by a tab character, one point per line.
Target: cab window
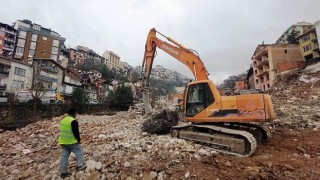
199	97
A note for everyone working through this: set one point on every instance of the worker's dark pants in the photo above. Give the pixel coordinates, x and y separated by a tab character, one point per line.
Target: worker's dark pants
66	150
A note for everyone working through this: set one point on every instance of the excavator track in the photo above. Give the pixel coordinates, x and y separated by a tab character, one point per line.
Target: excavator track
222	139
261	133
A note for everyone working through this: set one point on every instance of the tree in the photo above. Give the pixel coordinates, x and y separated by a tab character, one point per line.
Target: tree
135	76
231	80
110	100
78	99
37	93
105	72
78	96
292	37
123	97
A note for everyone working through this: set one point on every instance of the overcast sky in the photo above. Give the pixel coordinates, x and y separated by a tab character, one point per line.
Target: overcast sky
224	32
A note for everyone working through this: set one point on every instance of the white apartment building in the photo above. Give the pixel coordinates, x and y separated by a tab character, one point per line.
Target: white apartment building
112	60
20	76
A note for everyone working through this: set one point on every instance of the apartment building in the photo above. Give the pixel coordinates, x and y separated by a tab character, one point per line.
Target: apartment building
241	84
14	75
269	60
299	28
49	73
124	67
63	59
309	45
76	57
112	60
35	41
84	55
8	37
5	66
71	80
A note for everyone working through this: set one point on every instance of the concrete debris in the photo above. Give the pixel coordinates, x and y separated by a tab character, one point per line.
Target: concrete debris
161	123
115	147
294	96
111	145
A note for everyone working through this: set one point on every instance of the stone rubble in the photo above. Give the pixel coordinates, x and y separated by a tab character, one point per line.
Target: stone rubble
113	146
295	97
116	148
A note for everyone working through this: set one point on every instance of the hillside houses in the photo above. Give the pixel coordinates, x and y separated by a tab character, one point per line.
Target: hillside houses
297	47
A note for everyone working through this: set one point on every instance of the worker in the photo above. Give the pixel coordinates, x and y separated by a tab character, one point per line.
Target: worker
69	139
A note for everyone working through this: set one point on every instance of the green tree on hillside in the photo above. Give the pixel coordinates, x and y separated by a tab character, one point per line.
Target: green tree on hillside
78	99
292	37
123	97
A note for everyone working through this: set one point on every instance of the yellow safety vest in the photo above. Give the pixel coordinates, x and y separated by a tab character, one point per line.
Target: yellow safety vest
66	135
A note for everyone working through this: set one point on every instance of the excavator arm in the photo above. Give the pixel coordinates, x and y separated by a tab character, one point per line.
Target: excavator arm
176	50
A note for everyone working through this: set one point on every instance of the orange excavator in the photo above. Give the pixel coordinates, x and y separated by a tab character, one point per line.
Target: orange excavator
229	124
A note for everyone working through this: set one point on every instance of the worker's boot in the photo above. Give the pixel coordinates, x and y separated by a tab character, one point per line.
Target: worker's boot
64	175
81	168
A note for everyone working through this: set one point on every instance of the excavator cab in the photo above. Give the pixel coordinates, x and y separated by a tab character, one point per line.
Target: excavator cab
199	97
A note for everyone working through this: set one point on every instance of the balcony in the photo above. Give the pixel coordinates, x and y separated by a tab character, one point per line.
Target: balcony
48	68
7	47
261	63
11	40
46	78
7	31
315	39
263	73
3	87
4	68
262	52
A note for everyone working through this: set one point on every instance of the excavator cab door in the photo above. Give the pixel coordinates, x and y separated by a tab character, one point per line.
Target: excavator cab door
199	97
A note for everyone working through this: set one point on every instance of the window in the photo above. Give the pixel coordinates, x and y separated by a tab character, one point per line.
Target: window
305	38
22	34
307	47
19	71
21	42
55	43
257	81
44	38
199	97
33	45
17	84
1	33
285	51
34	37
19	51
36	27
54	57
31	52
54	50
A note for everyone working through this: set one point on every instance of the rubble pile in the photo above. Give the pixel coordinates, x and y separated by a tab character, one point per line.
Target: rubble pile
123	146
161	123
294	96
114	148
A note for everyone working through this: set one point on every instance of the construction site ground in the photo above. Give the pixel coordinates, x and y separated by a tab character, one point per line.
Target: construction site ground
116	148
